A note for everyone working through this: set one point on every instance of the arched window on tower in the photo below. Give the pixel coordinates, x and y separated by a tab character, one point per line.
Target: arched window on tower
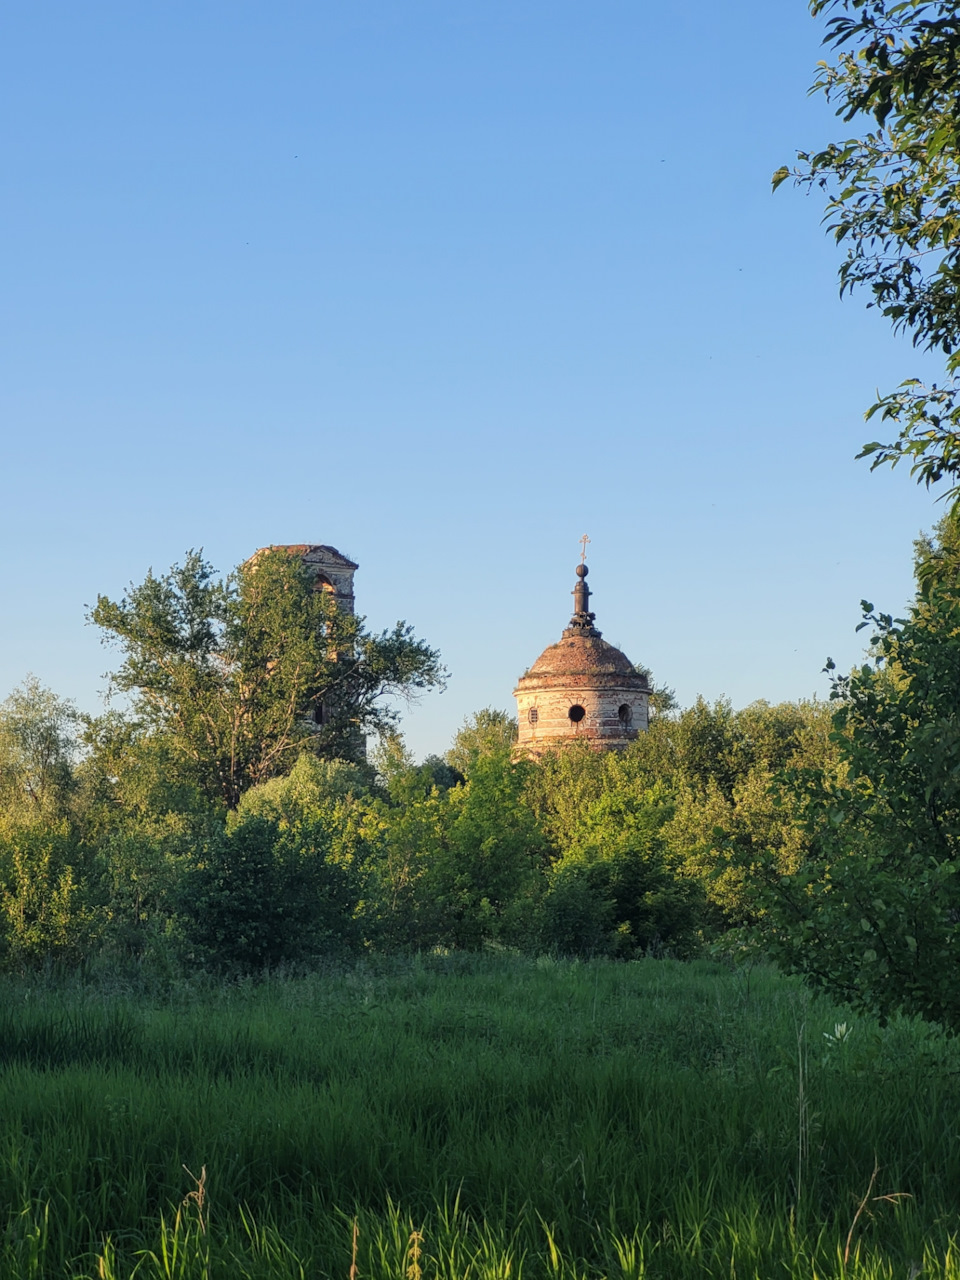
576	713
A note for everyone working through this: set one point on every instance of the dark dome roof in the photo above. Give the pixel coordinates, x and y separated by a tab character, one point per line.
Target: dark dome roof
581	656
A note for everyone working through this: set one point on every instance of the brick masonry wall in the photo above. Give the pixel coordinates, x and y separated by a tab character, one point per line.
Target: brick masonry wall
336	572
601	698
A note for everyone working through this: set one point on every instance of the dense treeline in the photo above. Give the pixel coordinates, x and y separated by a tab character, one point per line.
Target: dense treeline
106	850
228	817
822	834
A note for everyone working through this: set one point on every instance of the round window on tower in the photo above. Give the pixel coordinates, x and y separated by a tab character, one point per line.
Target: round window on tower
576	713
625	714
533	715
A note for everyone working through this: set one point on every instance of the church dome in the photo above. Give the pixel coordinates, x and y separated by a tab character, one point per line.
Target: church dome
581	688
582	655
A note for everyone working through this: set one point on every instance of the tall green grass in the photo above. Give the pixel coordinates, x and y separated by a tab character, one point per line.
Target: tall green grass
473	1117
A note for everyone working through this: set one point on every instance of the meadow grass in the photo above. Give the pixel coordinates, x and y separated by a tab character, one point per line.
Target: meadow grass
473	1117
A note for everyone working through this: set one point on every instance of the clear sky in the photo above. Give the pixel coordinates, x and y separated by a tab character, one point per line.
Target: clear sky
446	284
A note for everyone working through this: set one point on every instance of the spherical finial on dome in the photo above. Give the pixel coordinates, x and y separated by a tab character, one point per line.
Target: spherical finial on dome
582	617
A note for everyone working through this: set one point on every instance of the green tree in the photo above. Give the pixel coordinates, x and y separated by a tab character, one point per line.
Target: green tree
133	883
562	785
262	896
663	699
485	733
708	745
313	790
142	815
405	842
444	775
718	768
90	846
240	676
873	912
894	200
45	912
455	866
615	891
722	842
730	811
38	752
130	774
614	885
490	874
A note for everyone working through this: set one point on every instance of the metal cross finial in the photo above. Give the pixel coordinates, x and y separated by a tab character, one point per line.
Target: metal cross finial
583	542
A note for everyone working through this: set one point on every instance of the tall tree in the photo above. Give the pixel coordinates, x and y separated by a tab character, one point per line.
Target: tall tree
872	914
894	201
241	675
37	753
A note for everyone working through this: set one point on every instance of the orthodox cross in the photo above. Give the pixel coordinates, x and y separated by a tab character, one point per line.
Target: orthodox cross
583	542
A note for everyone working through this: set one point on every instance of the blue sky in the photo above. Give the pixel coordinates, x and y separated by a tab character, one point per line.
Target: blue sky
445	285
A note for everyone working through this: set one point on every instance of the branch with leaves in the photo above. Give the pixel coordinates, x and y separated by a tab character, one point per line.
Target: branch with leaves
893	202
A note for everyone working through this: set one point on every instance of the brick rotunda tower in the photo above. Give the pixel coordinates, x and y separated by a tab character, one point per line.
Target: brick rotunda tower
580	687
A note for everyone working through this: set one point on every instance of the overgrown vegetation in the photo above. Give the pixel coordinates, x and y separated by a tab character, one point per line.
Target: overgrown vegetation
871	913
821	835
580	853
269	1008
385	1018
455	1116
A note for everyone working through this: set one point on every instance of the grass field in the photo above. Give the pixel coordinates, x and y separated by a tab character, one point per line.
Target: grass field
473	1117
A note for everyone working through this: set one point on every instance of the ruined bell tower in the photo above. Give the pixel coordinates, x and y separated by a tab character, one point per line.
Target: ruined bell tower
332	571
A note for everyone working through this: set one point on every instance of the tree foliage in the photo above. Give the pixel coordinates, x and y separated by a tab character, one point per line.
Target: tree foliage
38	749
615	890
489	880
126	848
662	699
45	911
485	733
241	675
872	914
262	895
894	201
